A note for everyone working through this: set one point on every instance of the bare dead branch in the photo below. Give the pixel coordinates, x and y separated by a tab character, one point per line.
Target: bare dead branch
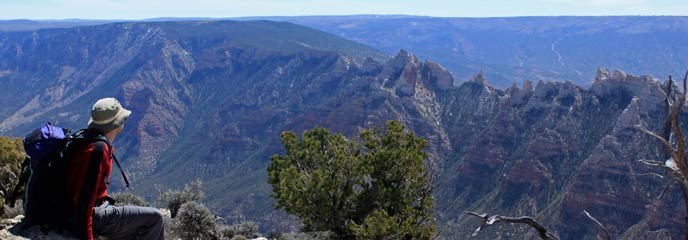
685	77
488	220
599	224
679	153
665	143
668	169
677	165
664	190
662	165
672	170
670	94
651	163
660	176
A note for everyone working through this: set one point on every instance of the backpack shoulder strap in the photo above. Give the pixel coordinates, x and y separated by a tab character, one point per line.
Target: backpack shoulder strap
124	176
81	134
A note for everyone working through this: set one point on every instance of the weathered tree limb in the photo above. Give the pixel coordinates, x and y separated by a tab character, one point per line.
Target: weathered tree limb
489	220
685	77
670	168
665	142
666	130
660	176
664	190
651	163
676	151
676	130
604	229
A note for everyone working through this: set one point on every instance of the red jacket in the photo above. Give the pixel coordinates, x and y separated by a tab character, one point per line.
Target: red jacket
87	182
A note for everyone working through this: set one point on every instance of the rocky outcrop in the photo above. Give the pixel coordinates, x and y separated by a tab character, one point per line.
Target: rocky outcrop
439	77
400	74
11	229
557	150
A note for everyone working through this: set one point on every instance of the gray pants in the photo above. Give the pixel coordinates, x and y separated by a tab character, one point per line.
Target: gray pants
128	222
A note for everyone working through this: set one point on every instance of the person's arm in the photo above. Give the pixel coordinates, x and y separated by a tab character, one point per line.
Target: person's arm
88	195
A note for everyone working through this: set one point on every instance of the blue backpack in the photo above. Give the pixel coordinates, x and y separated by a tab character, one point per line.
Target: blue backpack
43	174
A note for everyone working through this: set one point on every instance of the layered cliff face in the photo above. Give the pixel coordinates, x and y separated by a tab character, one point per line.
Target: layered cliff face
553	151
210	100
55	75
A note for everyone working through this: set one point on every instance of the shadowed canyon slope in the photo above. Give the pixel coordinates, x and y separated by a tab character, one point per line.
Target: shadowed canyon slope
210	100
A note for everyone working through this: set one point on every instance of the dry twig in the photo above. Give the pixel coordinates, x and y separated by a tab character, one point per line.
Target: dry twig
604	229
489	220
676	151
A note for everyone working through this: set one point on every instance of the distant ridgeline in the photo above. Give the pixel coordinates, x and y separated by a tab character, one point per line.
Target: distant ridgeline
508	50
210	99
511	49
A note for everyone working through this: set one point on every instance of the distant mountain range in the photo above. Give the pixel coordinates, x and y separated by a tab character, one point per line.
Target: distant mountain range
210	99
508	50
511	50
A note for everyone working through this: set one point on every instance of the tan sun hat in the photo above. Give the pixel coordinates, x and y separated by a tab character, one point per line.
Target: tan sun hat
107	114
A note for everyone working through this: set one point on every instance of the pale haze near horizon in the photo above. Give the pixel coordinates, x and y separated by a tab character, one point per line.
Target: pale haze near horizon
137	9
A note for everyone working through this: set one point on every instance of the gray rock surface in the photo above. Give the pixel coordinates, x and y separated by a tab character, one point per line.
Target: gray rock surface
12	230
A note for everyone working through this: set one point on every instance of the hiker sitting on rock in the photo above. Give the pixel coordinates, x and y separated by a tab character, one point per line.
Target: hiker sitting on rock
88	178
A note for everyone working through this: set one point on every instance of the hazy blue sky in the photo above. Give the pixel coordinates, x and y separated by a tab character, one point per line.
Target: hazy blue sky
139	9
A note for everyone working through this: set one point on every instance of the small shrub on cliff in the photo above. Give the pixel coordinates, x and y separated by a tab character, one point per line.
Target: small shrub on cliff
245	229
190	219
302	236
194	221
373	187
174	199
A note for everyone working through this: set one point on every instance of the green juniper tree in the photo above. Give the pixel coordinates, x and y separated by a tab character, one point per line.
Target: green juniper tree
375	186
